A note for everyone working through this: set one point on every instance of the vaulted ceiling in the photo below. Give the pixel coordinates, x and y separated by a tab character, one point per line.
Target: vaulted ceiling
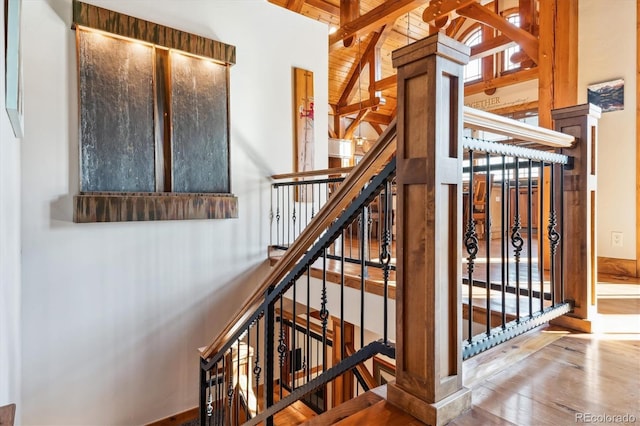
362	84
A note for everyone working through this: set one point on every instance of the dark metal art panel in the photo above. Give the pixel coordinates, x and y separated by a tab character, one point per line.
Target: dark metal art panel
116	114
199	112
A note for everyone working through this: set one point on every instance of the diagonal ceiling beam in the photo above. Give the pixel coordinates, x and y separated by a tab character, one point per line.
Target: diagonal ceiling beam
386	13
348	134
356	69
490	47
527	42
439	8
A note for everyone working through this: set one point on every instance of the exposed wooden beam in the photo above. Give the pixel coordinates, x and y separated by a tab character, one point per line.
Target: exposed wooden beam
295	5
506	80
333	134
348	134
547	46
527	42
491	47
384	14
349	10
356	69
455	26
376	127
375	117
439	8
637	139
324	6
368	104
386	83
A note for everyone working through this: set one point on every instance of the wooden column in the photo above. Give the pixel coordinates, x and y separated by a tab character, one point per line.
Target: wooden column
579	223
429	184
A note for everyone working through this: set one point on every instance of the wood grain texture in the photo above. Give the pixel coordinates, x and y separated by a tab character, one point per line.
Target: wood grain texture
428	309
125	207
580	259
345	410
637	140
621	267
127	26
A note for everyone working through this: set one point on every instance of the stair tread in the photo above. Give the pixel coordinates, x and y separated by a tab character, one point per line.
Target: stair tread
380	413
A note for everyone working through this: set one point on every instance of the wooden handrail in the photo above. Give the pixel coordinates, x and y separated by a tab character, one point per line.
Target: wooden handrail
372	162
482	120
321	172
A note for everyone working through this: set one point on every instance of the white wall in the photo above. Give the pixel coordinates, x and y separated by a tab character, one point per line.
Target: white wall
604	55
112	313
9	253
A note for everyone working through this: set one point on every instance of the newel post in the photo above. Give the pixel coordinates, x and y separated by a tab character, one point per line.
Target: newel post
429	185
579	223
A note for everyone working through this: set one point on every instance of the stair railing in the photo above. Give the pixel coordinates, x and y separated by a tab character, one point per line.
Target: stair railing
278	357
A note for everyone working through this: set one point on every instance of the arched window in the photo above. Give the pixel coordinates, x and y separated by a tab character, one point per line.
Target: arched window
473	70
507	65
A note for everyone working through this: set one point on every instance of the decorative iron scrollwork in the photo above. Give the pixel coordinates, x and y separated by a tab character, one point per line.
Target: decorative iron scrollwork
516	239
282	347
471	244
554	236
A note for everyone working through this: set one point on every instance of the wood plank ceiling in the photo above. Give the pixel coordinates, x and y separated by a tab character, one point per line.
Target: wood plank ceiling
372	29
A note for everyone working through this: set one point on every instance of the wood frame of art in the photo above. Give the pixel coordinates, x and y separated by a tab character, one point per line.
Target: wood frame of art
144	154
303	118
13	66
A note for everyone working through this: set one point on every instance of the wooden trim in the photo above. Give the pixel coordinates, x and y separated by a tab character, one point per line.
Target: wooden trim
136	206
127	26
350	188
176	419
322	172
618	267
637	139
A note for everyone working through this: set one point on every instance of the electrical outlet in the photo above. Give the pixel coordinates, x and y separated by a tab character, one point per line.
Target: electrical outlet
616	239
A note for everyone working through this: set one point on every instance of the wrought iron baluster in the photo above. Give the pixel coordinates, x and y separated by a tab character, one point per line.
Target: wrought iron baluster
516	239
278	215
487	236
296	192
256	368
503	243
324	313
541	236
282	347
385	253
363	272
288	216
342	296
293	357
471	244
553	235
308	337
561	225
529	238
